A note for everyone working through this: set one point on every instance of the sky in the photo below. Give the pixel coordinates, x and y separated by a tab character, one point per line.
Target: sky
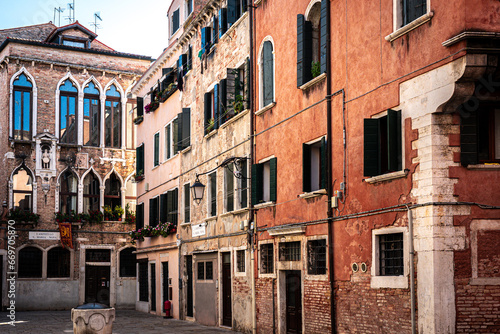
132	26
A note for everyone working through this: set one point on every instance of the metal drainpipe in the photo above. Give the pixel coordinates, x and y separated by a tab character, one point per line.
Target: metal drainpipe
253	231
329	166
412	271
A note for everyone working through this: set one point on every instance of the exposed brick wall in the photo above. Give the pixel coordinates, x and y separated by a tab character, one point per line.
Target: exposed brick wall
316	313
264	302
361	309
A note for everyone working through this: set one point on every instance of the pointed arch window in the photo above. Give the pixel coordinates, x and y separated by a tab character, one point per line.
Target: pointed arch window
112	117
91	191
68	115
112	192
267	74
22	108
91	115
68	196
22	184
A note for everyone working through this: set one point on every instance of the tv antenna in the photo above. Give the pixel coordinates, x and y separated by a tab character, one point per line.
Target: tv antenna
71	8
60	10
97	15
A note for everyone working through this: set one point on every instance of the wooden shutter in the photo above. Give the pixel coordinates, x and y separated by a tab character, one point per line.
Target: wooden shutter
468	139
207	108
203	39
175	21
371	147
306	168
140	106
157	149
273	179
153	212
246	89
186	127
139	153
169	141
179	142
257	171
175	135
175	205
231	89
394	158
323	164
139	216
243	185
232	14
222	21
163	208
216	107
190	58
168	206
304	50
223	107
215	30
268	84
324	34
413	9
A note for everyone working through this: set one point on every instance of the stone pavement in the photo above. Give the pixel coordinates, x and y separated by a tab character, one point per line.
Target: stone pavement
126	322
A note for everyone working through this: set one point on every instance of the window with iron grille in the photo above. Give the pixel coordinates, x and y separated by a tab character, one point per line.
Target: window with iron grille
240	260
201	270
316	257
205	270
127	262
391	254
58	262
143	281
289	251
30	263
266	259
98	255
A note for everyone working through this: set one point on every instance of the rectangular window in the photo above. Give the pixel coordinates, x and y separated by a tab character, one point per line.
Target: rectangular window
240	261
229	188
143	281
139	219
314	166
413	9
205	270
235	9
206	39
391	254
156	161
289	251
316	257
267	258
211	110
153	211
264	176
168	206
77	44
187	203
182	130
382	144
139	161
212	203
189	7
201	270
168	142
175	21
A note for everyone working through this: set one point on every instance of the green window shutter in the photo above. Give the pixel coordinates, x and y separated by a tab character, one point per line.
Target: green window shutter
186	127
215	30
189	58
169	142
268	73
139	216
203	39
175	205
323	164
216	107
304	50
163	208
273	179
139	152
223	100
232	14
246	89
243	186
257	171
231	89
207	108
157	149
306	168
394	156
175	135
468	139
371	147
153	212
140	106
324	34
179	141
168	206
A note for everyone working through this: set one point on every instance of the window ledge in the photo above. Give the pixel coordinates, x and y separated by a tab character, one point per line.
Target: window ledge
232	27
263	205
312	194
234	212
387	177
264	109
210	219
235	118
313	82
17	141
410	26
187	149
394	282
155	167
69	145
210	134
185	224
492	166
485	281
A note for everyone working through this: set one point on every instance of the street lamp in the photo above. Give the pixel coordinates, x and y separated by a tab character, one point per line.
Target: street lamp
198	189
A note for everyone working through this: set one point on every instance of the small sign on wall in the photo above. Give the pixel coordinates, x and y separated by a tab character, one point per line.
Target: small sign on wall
198	230
44	236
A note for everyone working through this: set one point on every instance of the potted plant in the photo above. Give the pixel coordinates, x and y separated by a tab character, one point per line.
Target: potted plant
129	215
238	104
108	212
19	215
210	126
118	213
315	69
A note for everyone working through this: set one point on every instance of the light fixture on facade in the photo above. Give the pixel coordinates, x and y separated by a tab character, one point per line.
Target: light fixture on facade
197	189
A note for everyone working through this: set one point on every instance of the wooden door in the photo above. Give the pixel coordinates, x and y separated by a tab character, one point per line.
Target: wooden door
189	285
97	280
293	302
227	314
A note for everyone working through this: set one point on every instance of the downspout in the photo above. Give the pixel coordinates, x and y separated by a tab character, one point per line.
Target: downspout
253	226
412	270
329	167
